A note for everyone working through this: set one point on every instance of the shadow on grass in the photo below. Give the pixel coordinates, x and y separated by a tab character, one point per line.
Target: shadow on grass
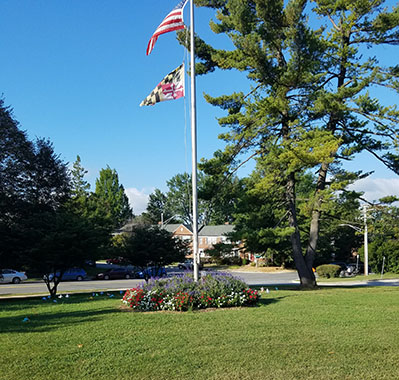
12	304
46	314
270	301
44	322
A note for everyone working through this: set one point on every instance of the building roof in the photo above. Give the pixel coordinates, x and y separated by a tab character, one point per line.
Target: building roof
220	230
128	227
173	227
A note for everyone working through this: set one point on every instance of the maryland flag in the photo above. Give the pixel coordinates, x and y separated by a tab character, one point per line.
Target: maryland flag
171	87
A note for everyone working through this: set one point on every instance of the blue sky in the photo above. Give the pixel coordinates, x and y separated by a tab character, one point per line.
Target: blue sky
76	71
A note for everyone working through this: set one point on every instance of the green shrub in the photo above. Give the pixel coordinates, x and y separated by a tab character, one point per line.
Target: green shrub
328	270
231	260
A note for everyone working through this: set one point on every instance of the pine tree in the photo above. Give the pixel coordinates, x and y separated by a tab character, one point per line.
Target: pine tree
282	57
110	200
293	119
79	186
352	114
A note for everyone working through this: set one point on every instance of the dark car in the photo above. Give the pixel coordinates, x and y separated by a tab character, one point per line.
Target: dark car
354	269
71	274
152	272
115	273
188	265
117	261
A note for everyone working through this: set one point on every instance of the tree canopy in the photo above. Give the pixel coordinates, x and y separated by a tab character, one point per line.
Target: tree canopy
109	199
311	104
151	246
33	182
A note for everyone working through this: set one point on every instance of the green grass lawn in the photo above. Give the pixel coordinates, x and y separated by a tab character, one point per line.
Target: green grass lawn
325	334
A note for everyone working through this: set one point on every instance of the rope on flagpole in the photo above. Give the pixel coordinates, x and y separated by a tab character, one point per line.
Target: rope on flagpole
186	113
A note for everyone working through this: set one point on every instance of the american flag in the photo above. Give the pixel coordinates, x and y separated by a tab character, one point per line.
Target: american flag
173	21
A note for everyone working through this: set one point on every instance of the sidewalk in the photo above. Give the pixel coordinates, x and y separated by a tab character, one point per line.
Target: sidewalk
392	282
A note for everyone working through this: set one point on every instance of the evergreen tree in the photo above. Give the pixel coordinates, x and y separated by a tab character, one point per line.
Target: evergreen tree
281	55
79	186
292	119
109	200
359	121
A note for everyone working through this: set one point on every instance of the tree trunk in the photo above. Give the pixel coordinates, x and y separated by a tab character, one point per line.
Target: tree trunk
315	220
306	275
322	178
52	289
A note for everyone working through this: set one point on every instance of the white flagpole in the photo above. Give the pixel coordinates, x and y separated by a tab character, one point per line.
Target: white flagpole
194	145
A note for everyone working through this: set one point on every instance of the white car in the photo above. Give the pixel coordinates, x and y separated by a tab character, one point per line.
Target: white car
11	275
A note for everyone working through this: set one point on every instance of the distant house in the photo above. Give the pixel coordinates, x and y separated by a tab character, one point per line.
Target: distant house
208	236
181	231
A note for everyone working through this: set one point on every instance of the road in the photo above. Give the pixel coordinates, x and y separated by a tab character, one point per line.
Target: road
26	288
251	278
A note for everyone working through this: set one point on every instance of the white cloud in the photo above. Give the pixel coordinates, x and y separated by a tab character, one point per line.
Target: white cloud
376	188
138	199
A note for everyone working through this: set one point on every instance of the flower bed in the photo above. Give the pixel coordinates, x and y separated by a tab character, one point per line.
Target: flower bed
181	293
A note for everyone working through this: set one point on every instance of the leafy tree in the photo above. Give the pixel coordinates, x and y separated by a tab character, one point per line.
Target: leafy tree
33	182
63	240
109	201
42	229
221	194
215	199
221	252
152	246
384	236
157	205
16	152
179	198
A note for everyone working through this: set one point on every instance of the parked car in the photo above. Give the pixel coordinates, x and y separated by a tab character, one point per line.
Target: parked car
90	263
13	276
188	265
350	269
117	261
71	274
354	269
115	273
152	272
